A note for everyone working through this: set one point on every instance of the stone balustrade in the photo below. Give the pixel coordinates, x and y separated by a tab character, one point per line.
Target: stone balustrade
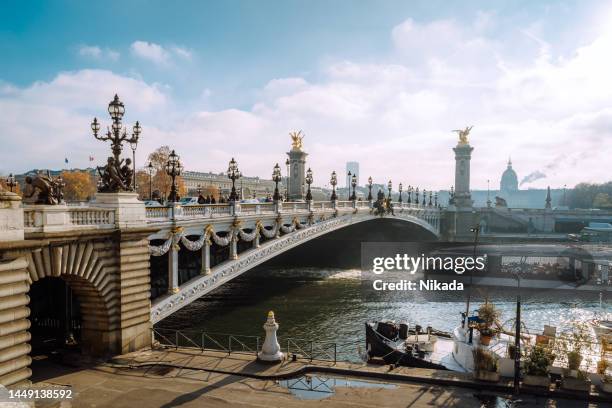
61	218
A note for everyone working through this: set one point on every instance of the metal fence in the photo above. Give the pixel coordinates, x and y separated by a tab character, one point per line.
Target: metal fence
237	343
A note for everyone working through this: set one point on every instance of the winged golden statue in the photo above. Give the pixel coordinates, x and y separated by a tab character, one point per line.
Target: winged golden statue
463	134
296	139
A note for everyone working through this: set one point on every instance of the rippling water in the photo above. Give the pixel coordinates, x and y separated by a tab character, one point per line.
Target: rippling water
327	305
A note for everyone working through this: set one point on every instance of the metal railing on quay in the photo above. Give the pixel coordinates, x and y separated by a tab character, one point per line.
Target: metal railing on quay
245	344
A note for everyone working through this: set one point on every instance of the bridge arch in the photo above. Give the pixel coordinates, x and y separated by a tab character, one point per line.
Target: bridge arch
202	284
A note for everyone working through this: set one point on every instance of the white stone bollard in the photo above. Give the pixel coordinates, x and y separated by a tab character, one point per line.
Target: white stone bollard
270	350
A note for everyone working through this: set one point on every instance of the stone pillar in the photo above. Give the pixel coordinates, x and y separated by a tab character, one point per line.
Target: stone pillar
130	212
256	241
234	246
297	163
173	268
135	290
205	269
14	286
14	311
463	156
465	217
11	217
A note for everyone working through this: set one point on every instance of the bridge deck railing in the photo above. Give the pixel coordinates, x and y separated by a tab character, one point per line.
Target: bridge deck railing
38	218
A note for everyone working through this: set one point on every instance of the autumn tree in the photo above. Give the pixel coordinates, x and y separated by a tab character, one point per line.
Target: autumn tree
80	185
160	180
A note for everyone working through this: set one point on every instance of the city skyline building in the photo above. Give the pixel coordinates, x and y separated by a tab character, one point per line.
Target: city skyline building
353	168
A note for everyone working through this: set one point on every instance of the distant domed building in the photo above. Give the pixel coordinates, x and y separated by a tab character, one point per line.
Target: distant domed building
509	180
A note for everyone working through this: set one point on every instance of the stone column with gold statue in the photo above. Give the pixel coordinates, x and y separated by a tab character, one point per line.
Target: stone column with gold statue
461	217
463	155
297	166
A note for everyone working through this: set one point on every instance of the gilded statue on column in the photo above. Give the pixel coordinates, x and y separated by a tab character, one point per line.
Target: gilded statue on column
463	134
296	140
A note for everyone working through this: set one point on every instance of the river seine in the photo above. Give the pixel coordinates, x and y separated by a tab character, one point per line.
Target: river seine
327	304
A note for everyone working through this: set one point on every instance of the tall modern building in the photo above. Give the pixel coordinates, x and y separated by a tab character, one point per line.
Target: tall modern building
353	167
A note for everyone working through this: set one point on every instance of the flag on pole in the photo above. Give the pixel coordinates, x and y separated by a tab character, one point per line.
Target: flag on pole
91	158
66	160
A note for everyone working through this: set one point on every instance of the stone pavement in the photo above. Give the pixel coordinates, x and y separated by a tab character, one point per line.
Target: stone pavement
190	378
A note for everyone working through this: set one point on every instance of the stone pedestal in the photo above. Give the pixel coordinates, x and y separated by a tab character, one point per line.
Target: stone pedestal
297	163
270	350
11	217
129	210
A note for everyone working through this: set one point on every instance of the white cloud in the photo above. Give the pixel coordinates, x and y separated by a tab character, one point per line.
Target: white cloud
159	54
150	51
394	116
182	52
97	53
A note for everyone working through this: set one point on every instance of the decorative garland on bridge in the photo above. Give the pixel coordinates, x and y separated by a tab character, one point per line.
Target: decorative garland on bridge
234	232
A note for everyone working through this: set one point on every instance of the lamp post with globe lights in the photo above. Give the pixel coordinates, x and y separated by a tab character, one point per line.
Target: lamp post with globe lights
233	174
309	182
369	188
389	187
276	177
133	146
400	187
174	168
354	185
114	178
333	181
150	170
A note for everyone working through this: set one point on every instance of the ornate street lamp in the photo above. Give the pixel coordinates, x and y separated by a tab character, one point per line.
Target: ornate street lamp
199	190
234	174
389	187
400	192
436	199
276	177
309	182
369	188
173	169
424	197
348	184
150	169
113	175
354	184
133	146
287	164
430	196
333	181
11	182
409	194
416	196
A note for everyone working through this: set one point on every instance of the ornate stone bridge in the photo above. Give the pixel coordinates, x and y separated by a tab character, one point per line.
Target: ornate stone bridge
282	225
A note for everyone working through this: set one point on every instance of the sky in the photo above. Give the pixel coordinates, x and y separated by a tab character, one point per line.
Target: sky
378	82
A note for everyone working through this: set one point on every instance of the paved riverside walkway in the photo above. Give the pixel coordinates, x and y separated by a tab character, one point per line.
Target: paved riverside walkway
189	378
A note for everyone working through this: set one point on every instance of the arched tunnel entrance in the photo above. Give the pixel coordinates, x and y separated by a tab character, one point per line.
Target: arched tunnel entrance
69	318
55	316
